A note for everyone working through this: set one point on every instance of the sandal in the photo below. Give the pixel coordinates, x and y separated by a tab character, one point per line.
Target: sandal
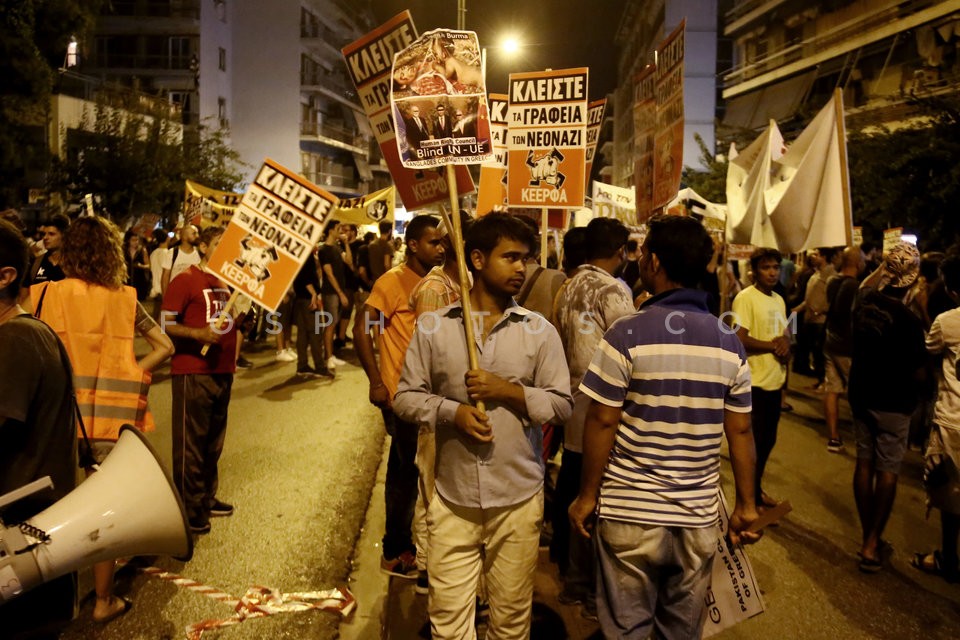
932	563
869	565
116	613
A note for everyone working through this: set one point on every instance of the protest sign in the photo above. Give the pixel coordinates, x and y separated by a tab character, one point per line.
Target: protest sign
369	62
492	194
546	138
668	142
594	122
275	228
614	202
438	99
369	209
891	237
206	207
145	224
644	129
733	595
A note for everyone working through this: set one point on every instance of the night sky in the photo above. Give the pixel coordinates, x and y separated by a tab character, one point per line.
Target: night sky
558	34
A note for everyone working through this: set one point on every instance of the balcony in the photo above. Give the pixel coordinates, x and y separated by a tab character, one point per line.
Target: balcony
140	61
334	136
154	8
858	30
115	95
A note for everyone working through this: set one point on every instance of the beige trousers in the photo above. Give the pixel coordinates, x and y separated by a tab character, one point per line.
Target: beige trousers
498	544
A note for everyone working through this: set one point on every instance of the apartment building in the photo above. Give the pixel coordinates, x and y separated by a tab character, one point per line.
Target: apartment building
790	55
270	72
644	24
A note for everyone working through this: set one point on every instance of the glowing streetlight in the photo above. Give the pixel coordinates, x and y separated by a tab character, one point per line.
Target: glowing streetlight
510	45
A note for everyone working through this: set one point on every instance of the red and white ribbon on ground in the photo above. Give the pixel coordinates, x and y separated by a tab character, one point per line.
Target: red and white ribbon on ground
257	602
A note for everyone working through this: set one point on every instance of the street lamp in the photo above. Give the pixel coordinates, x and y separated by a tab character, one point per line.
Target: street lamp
510	45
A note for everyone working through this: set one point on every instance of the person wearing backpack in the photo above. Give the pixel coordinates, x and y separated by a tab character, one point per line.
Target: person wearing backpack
181	257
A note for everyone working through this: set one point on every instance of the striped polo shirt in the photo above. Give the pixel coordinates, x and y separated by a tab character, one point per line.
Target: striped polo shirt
673	368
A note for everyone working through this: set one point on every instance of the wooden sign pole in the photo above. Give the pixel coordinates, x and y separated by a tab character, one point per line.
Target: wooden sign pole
222	318
543	237
457	242
844	172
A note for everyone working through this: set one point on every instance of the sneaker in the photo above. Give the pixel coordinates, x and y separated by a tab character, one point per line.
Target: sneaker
334	361
423	583
221	509
285	356
403	566
199	529
243	363
834	445
307	372
338	344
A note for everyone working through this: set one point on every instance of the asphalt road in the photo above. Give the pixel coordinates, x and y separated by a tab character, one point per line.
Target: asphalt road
299	464
301	460
807	568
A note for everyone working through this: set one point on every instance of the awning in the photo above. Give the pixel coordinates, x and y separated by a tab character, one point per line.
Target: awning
777	101
363	167
363	123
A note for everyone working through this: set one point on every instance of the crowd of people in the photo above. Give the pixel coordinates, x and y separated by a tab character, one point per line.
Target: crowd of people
620	354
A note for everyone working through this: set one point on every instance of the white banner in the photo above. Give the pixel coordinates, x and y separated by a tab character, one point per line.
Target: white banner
615	202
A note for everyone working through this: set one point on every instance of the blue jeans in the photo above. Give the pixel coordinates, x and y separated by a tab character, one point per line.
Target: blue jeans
652	578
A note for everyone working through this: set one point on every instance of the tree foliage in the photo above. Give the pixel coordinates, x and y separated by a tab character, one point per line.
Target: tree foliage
909	177
33	42
137	162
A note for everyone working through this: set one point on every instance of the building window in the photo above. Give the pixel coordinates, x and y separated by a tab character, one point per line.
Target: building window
222	112
179	52
222	64
221	7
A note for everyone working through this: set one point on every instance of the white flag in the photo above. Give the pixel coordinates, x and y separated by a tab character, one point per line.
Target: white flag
748	178
806	198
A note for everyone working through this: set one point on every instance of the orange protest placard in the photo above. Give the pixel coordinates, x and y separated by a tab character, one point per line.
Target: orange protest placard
275	228
492	194
668	142
594	121
547	138
644	128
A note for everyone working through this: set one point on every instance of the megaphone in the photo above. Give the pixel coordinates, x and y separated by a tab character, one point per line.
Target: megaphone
129	507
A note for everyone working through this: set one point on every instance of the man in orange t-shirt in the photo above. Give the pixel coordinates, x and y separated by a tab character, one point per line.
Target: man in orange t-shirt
388	307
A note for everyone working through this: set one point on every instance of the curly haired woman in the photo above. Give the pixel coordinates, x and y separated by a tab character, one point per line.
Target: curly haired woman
97	316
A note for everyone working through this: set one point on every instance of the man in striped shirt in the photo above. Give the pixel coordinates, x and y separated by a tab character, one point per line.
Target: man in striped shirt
665	385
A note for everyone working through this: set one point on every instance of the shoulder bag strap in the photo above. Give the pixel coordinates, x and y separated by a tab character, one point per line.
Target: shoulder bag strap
528	286
43	292
85	453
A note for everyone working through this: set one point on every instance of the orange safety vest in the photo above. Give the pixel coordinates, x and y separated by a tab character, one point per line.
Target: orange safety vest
96	325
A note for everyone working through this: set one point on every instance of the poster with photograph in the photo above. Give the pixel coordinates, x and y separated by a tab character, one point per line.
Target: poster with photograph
369	60
438	100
